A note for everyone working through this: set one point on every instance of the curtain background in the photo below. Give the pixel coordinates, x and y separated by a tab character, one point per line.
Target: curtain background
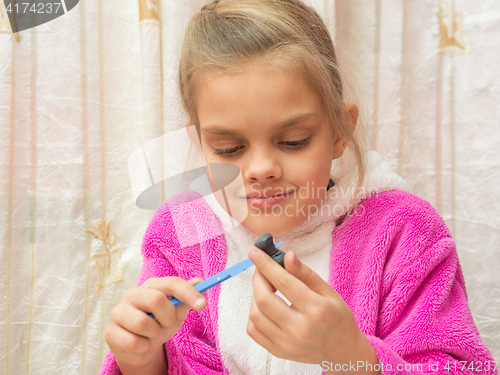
80	93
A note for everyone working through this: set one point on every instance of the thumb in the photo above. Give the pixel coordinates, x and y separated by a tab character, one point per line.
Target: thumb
305	274
196	280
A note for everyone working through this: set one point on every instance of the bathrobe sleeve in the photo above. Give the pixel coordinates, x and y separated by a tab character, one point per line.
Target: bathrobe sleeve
192	350
424	323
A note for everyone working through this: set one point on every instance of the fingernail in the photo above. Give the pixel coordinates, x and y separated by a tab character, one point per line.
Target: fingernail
295	259
198	302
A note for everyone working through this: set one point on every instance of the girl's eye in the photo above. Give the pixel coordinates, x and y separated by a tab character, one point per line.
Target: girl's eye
293	146
226	151
297	145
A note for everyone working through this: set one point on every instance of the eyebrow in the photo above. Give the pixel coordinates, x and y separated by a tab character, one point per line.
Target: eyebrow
215	129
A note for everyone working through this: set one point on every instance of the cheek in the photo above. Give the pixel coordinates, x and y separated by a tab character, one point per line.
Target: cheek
230	198
312	181
305	169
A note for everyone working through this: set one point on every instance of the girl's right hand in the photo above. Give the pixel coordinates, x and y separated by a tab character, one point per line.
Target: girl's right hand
136	339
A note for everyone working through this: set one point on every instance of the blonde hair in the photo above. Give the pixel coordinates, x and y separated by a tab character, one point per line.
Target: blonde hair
226	36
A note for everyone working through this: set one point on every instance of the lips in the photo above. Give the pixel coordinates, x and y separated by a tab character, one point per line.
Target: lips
268	194
265	201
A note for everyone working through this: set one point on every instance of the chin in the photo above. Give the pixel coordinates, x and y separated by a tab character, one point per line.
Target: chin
259	225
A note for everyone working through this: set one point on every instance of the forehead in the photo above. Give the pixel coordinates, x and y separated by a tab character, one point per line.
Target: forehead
255	95
289	123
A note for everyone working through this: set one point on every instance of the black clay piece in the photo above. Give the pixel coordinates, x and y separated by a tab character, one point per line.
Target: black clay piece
265	242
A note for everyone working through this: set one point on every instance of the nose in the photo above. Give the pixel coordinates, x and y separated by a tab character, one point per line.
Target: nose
263	167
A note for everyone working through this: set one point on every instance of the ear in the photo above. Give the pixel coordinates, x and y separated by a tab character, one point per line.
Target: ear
352	111
352	114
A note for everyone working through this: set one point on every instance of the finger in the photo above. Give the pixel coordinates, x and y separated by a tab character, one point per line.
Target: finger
259	337
135	321
262	322
305	274
120	338
270	304
290	286
181	289
197	280
155	301
153	298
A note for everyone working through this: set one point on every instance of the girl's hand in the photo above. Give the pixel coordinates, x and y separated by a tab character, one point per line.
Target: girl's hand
318	326
136	339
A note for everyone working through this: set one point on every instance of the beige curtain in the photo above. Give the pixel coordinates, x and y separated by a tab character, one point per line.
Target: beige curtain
79	94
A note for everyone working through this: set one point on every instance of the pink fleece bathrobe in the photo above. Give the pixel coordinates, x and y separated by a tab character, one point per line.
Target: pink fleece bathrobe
393	262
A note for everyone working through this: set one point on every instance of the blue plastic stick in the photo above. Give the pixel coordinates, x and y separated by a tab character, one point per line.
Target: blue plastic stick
218	278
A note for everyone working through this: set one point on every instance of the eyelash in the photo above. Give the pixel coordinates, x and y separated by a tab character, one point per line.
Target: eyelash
295	147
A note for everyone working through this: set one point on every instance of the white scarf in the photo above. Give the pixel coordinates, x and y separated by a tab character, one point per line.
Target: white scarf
311	241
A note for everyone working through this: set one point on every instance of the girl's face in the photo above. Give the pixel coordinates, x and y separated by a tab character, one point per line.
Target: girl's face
275	129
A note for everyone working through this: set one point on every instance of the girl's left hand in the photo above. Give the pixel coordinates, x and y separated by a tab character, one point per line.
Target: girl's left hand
318	326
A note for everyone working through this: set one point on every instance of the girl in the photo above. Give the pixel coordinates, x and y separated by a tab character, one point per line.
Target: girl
372	282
